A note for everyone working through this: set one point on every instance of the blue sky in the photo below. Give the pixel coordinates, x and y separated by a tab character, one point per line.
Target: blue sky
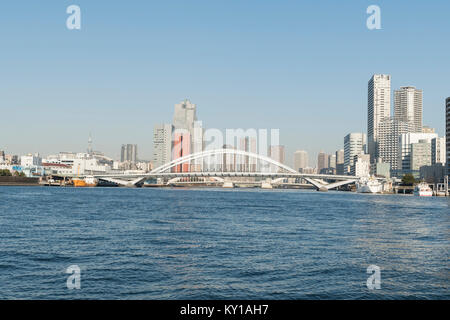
299	66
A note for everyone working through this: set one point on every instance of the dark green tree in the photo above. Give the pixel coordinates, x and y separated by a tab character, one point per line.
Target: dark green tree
408	179
5	173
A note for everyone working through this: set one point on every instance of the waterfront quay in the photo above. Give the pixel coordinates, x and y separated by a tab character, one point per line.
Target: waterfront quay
242	183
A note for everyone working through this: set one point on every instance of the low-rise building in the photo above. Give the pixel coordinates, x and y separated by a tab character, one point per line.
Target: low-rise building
420	156
361	165
30	161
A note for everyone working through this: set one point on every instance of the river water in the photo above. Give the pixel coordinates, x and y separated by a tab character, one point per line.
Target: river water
221	244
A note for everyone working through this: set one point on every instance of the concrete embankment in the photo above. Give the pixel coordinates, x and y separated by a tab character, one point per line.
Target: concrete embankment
19	181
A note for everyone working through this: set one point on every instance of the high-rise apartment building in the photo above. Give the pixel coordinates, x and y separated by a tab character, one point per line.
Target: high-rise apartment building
128	153
246	163
322	162
162	144
332	162
389	131
228	160
301	160
277	153
447	140
408	106
379	108
340	162
354	144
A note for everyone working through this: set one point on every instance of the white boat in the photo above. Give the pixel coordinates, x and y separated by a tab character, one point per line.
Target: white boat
369	185
423	190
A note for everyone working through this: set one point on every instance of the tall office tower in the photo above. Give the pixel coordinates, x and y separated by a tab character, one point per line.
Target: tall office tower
123	153
186	133
128	153
322	162
340	162
408	106
228	160
162	144
438	150
332	161
184	115
404	149
389	131
447	140
420	154
301	160
379	108
277	153
354	144
246	163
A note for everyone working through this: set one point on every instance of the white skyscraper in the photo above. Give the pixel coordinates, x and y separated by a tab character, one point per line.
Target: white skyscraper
379	108
408	106
162	144
354	144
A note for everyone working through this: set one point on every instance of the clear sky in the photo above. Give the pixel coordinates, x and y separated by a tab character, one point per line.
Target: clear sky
299	66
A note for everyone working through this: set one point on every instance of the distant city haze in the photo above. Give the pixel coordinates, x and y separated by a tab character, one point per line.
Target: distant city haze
301	67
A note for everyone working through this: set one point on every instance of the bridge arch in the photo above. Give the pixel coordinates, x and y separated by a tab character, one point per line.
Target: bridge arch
217	152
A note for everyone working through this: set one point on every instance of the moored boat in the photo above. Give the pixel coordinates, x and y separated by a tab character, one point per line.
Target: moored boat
369	185
89	181
423	190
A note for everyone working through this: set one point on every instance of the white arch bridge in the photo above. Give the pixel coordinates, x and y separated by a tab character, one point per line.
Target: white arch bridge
216	165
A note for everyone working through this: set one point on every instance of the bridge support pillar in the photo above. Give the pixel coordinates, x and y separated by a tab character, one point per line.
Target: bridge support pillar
228	184
266	184
130	185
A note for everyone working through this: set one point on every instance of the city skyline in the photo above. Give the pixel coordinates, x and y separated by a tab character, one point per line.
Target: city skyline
119	94
392	113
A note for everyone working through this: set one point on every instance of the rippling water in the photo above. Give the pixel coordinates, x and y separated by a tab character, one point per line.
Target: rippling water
221	244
